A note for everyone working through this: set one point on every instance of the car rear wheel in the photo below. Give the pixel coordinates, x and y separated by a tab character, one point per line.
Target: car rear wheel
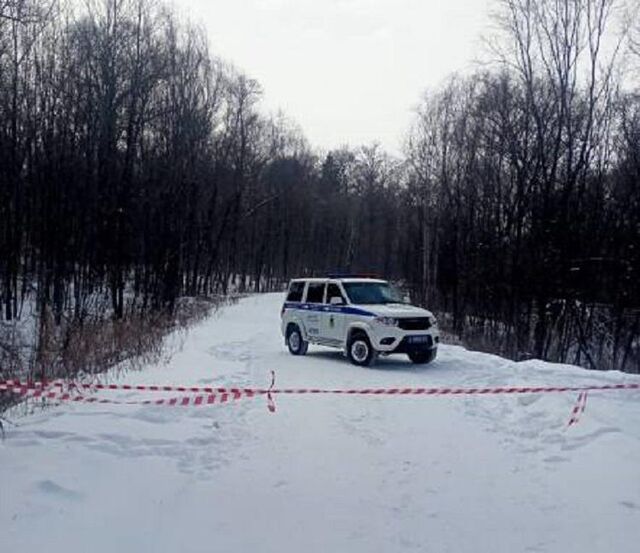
423	357
295	342
359	350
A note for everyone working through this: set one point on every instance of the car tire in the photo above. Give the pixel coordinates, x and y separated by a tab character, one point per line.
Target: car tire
423	357
360	351
295	342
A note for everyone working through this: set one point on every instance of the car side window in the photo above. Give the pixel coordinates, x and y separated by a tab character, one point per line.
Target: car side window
333	291
315	292
295	291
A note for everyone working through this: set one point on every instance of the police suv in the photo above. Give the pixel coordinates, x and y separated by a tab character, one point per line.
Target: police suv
365	317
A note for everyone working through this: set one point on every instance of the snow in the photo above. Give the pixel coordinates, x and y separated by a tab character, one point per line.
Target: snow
327	473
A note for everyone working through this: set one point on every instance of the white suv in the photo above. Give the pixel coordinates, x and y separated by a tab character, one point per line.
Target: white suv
365	317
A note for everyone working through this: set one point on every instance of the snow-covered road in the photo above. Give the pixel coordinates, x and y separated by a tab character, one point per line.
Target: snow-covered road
327	473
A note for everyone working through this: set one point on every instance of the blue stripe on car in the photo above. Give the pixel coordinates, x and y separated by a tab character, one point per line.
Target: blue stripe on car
347	310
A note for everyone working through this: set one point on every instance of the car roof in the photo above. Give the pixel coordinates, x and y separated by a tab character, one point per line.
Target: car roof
349	279
361	280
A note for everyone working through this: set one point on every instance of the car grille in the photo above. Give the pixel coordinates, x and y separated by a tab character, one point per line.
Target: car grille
417	323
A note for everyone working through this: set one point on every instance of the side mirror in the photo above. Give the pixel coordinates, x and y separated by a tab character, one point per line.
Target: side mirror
335	300
406	298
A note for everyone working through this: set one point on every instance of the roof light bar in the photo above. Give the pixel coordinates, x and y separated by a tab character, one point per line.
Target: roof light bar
352	275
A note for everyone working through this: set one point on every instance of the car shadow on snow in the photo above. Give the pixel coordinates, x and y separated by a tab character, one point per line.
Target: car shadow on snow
396	363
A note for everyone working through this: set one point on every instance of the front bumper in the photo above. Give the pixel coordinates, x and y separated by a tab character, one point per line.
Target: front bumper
394	340
407	346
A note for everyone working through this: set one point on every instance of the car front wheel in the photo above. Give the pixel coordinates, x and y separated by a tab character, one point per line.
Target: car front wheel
359	350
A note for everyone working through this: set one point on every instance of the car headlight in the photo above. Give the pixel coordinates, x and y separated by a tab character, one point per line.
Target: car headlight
387	321
432	321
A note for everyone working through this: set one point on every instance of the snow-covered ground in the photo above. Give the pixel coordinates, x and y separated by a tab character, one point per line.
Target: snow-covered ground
327	473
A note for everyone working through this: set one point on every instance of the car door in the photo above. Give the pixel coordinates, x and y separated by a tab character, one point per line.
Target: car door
313	309
333	320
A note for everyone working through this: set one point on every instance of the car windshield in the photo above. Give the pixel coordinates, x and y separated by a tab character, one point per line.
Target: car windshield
372	292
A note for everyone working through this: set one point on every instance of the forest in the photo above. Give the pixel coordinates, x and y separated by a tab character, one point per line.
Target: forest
139	170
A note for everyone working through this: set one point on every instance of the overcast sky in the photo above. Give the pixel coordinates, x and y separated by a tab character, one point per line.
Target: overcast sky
348	71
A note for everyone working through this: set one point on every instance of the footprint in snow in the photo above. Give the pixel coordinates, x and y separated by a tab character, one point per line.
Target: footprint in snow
233	351
17	441
555	459
578	442
51	488
155	415
528	399
51	434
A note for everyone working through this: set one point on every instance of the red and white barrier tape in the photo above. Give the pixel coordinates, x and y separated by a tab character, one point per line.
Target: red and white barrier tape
456	391
16	384
97	386
271	405
222	395
184	401
578	408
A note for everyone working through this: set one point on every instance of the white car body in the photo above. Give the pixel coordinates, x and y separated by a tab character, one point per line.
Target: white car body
389	327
